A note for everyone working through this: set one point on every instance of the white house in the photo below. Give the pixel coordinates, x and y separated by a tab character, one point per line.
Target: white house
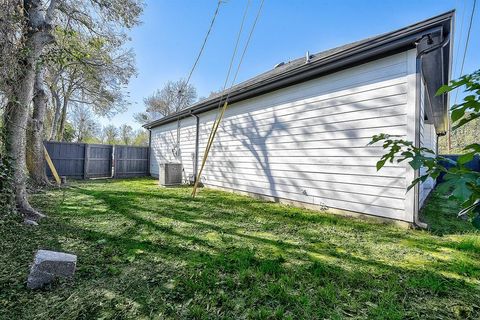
299	132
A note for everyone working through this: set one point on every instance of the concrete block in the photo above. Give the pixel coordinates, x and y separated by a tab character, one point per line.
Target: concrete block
48	265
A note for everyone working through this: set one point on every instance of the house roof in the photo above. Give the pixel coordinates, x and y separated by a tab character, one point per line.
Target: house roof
329	61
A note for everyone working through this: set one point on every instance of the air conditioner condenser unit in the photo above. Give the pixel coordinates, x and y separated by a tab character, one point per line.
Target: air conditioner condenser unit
170	174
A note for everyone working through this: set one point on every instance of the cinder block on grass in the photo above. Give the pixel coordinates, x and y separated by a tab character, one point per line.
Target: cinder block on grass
48	265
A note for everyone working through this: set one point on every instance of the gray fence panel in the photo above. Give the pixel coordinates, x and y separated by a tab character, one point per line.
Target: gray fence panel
99	161
83	161
131	161
68	158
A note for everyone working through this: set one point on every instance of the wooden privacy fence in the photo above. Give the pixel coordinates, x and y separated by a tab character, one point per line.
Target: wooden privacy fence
130	161
84	161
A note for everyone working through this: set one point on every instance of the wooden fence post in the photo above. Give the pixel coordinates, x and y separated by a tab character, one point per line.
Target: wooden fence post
114	161
85	161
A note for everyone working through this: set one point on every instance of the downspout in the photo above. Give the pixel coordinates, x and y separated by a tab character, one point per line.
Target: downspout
197	139
420	54
149	150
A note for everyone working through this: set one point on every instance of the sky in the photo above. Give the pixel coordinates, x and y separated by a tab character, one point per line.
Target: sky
172	31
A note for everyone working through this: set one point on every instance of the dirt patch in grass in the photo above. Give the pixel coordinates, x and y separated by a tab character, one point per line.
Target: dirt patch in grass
146	252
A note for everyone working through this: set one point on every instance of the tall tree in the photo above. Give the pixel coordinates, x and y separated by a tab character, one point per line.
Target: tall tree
35	154
111	134
140	138
84	124
11	21
33	24
92	70
173	97
126	134
36	34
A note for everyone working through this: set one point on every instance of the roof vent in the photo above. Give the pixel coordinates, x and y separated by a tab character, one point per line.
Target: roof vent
278	65
308	56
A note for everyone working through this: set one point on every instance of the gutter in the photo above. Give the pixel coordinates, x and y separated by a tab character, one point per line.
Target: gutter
149	149
417	141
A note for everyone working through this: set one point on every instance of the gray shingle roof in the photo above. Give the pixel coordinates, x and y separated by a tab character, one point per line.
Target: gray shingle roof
285	68
298	70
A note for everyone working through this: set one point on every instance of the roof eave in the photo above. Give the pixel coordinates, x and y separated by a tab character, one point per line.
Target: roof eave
377	47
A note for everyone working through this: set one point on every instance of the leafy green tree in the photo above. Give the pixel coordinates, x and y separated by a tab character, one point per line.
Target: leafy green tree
26	34
84	123
461	182
140	138
111	134
126	134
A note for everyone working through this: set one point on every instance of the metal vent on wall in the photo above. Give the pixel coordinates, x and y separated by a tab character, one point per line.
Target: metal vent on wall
170	174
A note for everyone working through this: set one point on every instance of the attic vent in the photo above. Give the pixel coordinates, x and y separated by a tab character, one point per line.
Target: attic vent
278	65
308	56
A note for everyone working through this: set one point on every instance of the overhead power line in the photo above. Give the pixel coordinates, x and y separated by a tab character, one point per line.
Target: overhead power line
234	51
181	93
460	38
232	59
246	45
466	43
204	42
219	117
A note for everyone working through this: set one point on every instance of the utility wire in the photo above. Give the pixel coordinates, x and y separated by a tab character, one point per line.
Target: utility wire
225	105
181	92
204	42
246	46
455	69
230	68
466	43
234	50
449	129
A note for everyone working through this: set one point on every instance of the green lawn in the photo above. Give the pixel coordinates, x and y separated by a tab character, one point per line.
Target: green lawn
148	252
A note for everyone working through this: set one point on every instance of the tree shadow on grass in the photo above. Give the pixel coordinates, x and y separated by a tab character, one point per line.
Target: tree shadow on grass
177	273
236	273
185	209
185	214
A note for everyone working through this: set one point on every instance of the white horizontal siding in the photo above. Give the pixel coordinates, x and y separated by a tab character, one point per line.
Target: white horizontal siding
163	141
428	139
308	142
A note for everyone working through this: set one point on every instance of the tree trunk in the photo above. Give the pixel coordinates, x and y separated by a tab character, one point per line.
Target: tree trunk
35	152
16	116
37	35
63	119
56	117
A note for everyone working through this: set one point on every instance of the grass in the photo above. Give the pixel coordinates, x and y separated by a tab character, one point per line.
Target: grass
151	253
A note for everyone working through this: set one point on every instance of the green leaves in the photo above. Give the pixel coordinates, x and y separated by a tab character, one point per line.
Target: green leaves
460	182
380	164
476	221
465	158
443	89
417	161
466	119
469	109
457	114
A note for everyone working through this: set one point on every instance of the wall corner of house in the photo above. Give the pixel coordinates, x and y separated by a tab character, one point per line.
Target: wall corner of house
412	118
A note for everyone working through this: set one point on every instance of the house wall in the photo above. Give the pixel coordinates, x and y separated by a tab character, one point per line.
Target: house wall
308	142
428	139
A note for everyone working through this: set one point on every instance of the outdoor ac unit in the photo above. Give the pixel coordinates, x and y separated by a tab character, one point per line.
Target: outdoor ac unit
170	174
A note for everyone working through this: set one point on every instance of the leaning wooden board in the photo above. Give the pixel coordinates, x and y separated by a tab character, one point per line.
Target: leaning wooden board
52	167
